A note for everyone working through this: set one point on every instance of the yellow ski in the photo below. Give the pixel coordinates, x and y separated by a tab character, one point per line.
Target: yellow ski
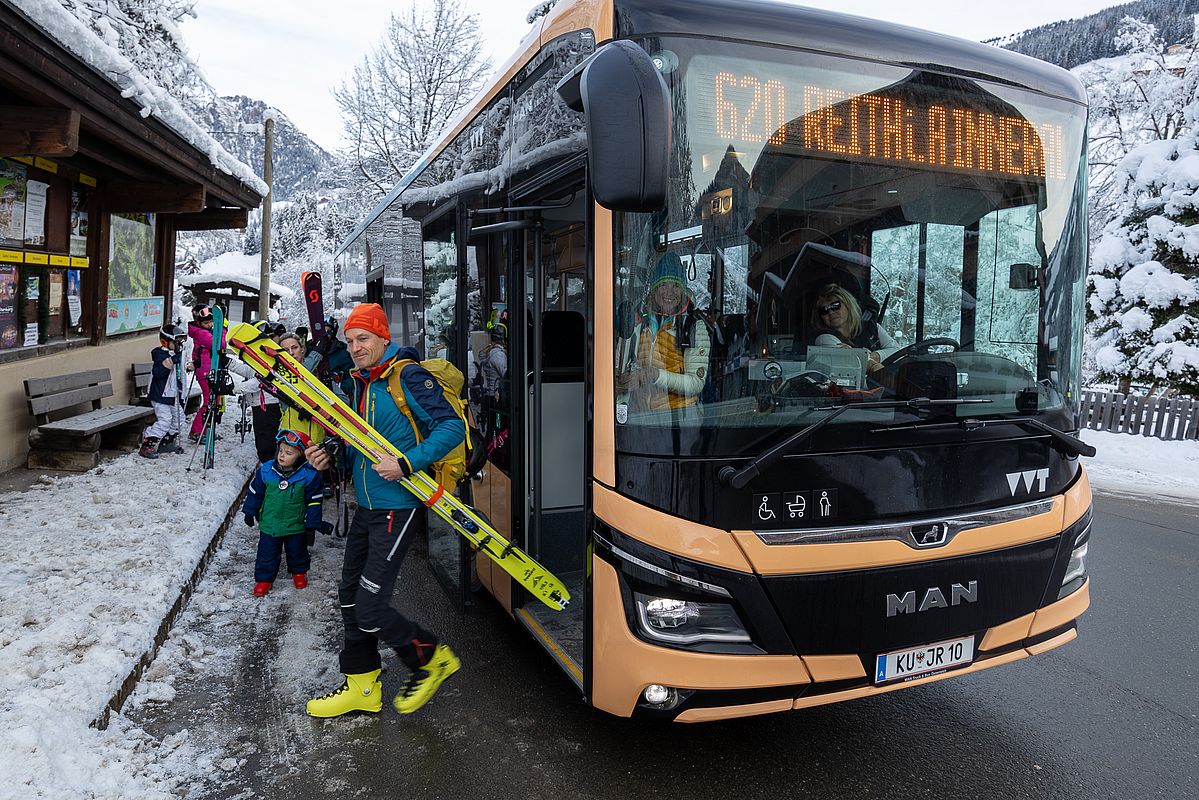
301	388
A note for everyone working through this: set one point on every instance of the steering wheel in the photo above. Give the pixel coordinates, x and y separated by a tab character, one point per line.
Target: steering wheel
920	348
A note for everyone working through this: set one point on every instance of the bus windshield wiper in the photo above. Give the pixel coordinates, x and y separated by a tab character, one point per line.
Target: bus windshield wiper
1070	445
738	478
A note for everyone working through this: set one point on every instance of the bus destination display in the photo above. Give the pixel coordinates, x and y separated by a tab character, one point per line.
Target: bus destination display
887	125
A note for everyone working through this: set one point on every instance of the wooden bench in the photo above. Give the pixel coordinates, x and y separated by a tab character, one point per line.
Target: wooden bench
141	386
72	441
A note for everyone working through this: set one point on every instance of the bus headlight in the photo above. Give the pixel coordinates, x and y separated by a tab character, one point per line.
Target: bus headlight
1077	567
686	622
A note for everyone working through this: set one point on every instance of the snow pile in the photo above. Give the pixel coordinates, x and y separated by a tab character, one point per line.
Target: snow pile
152	99
1142	466
238	268
540	10
89	567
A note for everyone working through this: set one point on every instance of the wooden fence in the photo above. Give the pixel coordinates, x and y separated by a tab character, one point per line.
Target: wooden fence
1163	417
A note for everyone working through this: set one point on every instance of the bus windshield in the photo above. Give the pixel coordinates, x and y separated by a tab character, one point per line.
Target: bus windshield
841	231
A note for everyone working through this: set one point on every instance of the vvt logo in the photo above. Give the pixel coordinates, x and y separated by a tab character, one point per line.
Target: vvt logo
1027	478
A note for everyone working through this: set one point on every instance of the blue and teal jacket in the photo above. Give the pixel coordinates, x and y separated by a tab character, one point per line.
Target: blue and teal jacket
285	503
161	375
440	428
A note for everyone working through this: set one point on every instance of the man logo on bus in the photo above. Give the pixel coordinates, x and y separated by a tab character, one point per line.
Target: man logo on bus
933	598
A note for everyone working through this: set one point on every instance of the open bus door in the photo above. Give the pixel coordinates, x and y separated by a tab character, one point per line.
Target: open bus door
534	484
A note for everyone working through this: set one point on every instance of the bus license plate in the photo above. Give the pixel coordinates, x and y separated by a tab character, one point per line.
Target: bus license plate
922	660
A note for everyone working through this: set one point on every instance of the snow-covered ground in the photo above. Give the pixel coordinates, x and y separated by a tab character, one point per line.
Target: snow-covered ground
1143	467
89	567
90	564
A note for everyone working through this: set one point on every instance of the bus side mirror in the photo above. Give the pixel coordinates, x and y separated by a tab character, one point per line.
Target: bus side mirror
627	107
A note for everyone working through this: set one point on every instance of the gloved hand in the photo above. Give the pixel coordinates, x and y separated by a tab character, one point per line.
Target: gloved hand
326	528
250	520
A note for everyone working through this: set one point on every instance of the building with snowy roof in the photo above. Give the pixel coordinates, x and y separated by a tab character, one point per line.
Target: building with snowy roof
99	168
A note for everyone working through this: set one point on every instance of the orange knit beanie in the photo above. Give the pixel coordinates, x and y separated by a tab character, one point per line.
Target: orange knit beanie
369	317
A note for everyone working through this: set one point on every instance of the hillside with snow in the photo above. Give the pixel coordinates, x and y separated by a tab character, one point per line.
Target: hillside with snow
1069	43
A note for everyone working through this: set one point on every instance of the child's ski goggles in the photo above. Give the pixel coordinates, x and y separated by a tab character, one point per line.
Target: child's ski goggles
294	438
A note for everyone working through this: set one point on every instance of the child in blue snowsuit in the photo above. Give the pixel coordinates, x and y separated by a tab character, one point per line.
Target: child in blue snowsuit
166	394
285	500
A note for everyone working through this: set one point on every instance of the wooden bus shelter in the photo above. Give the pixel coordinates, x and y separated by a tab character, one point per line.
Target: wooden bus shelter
92	195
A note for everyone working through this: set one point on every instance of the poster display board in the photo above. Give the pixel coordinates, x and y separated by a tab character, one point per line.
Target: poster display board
9	333
35	213
134	314
79	222
12	203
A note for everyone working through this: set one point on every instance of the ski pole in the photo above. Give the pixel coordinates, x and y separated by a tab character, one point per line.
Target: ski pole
199	441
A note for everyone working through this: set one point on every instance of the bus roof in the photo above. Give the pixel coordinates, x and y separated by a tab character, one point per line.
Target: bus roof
766	22
843	34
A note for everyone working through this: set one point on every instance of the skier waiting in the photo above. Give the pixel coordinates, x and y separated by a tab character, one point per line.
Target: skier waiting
200	330
388	518
264	406
166	391
330	361
293	418
285	500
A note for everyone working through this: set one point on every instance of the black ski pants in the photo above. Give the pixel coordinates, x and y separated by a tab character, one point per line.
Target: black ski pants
375	547
266	428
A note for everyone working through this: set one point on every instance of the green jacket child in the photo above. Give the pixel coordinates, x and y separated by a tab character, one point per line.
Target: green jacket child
285	501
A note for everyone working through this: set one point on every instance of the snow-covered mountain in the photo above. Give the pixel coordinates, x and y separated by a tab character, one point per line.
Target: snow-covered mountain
233	121
1071	42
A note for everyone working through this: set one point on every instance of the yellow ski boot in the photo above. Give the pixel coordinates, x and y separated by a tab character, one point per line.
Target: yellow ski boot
422	683
361	692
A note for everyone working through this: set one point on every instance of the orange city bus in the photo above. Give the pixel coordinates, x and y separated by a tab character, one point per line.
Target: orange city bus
820	513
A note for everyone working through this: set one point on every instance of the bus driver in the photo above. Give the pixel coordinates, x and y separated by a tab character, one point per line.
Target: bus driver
837	320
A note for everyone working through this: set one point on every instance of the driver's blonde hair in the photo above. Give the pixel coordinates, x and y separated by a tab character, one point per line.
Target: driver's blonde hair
834	291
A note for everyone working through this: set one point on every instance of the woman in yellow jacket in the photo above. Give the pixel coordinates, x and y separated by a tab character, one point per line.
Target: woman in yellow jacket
670	346
293	419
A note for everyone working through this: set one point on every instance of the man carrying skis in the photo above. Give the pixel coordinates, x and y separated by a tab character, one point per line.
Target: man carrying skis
388	518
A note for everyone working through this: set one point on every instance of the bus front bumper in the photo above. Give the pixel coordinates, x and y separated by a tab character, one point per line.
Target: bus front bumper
713	686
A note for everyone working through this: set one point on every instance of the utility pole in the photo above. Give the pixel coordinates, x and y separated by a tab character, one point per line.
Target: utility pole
264	272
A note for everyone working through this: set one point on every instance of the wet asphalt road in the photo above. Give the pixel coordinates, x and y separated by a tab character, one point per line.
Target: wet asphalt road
1114	714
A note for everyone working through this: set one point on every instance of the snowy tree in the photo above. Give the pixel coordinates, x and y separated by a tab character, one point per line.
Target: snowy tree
426	69
1143	290
1135	98
147	33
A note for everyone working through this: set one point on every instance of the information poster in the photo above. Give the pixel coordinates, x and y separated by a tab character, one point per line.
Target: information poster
12	202
8	306
134	314
79	222
35	213
74	298
56	292
30	334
